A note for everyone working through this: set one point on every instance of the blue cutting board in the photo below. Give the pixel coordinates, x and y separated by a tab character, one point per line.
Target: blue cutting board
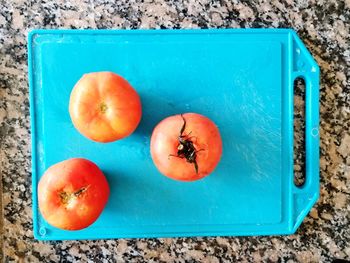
241	79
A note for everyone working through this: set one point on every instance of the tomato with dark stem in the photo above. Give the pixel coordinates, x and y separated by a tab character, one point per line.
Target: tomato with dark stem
72	194
186	147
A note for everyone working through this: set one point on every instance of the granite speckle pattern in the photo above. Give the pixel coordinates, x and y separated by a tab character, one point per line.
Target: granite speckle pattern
324	27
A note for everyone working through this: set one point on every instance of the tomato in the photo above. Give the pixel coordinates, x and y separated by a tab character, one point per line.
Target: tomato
186	147
72	194
104	107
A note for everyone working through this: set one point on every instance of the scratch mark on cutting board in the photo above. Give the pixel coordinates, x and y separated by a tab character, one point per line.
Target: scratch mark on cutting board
259	115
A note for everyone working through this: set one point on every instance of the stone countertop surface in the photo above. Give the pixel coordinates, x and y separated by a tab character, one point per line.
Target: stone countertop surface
324	27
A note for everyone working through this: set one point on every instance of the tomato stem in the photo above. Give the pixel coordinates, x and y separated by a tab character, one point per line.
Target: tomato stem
66	197
80	191
186	148
103	107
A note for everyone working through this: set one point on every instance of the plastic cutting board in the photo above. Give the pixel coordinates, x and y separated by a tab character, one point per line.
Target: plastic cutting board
241	79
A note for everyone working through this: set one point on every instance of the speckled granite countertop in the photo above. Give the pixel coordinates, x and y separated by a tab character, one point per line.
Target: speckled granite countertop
324	27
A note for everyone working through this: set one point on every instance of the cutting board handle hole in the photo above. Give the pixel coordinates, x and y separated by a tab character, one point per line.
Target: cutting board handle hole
299	131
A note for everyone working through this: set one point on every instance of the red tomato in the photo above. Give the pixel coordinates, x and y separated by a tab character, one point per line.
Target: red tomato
186	147
104	107
72	194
